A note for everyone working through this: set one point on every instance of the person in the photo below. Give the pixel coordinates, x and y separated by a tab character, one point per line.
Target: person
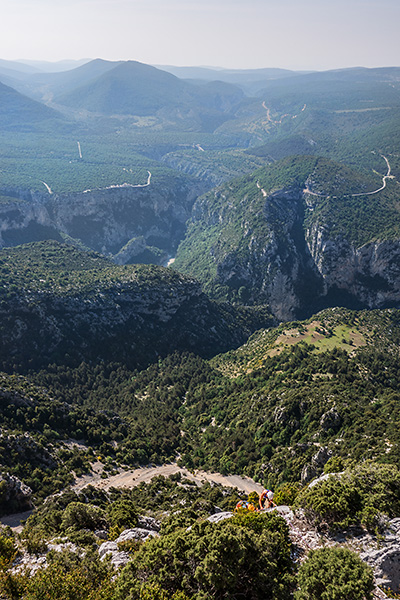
266	499
244	505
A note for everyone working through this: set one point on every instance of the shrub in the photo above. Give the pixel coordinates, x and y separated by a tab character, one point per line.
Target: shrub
286	494
333	504
362	495
78	515
8	551
53	583
238	557
334	465
123	513
253	498
34	543
334	574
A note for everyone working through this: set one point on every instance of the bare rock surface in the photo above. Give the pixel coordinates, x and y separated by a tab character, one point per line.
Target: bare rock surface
149	523
382	554
136	533
221	516
15	496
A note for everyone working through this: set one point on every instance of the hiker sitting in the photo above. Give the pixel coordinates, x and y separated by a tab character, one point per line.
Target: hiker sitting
266	500
244	505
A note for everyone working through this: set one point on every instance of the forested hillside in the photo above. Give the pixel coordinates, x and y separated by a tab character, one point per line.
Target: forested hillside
62	305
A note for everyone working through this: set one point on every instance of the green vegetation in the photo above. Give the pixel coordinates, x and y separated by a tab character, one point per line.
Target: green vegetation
334	574
81	307
263	410
364	494
265	217
111	365
247	555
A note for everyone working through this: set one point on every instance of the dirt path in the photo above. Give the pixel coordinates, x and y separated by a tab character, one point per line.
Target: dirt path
128	479
14	521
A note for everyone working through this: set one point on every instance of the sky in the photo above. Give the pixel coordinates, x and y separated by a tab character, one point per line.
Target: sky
292	34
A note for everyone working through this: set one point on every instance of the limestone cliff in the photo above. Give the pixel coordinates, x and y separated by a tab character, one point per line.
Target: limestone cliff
104	220
370	273
257	241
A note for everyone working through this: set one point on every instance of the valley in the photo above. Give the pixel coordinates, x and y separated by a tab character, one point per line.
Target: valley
199	299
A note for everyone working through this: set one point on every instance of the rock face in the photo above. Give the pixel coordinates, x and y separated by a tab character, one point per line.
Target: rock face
370	274
119	558
384	561
136	224
273	248
15	496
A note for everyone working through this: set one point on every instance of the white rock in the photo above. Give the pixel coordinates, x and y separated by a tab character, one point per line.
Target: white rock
136	533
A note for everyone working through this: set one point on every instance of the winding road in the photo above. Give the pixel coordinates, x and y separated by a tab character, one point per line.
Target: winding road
270	119
47	186
384	180
122	185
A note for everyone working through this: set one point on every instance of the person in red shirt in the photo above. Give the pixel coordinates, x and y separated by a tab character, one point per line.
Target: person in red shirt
266	500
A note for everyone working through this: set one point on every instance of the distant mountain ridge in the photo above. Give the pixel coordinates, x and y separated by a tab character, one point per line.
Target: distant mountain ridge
133	88
18	111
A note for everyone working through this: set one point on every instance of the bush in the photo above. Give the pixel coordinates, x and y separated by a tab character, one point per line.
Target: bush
334	465
122	513
34	543
8	551
78	515
333	504
334	574
286	494
361	496
238	557
253	498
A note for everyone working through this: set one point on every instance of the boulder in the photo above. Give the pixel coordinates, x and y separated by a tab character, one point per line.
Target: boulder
386	565
102	534
149	523
331	420
219	517
136	533
15	496
118	559
106	548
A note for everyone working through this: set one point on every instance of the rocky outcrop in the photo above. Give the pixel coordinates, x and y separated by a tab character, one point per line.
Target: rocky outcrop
275	268
386	561
118	556
370	274
278	248
15	496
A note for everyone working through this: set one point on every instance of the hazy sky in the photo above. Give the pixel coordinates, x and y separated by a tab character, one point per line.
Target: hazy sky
309	34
